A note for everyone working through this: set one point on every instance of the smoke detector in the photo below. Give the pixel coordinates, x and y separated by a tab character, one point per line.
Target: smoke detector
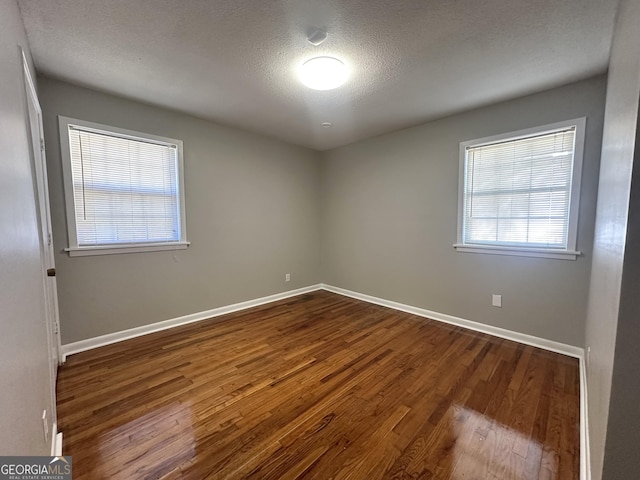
317	36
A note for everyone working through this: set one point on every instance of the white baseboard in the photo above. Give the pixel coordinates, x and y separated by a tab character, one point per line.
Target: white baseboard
585	450
102	340
90	343
543	343
56	441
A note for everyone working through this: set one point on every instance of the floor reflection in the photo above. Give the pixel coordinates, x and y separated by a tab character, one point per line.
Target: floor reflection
163	438
486	449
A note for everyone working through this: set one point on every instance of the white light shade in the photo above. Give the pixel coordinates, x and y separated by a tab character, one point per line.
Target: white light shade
323	73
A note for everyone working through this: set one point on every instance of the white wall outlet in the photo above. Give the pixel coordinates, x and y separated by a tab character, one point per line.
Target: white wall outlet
287	277
45	426
496	300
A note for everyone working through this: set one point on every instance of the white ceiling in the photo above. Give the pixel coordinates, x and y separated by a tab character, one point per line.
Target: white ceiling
234	61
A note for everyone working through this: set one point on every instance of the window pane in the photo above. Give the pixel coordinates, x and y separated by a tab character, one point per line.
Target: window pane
125	190
518	192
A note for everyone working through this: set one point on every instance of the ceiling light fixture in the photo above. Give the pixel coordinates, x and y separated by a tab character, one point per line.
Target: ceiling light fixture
323	73
326	124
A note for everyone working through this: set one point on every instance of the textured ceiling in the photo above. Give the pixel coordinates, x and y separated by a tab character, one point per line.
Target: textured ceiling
234	61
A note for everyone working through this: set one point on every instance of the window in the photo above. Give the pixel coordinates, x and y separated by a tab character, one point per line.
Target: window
519	192
123	190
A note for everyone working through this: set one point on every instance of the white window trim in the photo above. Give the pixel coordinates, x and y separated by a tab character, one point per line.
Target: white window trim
74	249
570	253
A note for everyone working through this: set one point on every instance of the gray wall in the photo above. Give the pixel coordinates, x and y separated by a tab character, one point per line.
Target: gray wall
389	217
24	367
609	251
623	433
252	216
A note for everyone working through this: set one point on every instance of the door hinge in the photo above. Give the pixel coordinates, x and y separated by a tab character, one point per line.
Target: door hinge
56	327
42	144
49	239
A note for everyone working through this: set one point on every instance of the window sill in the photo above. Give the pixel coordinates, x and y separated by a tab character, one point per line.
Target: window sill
518	251
129	248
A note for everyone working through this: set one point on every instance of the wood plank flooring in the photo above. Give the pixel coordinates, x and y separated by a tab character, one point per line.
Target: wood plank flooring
320	386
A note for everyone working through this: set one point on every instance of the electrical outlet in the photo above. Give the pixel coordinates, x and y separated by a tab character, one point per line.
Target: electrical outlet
45	426
496	300
287	277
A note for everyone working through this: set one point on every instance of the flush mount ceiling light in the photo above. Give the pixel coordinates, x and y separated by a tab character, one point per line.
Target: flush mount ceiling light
323	73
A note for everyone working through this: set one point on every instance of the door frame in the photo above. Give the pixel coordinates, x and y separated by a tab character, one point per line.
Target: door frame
38	158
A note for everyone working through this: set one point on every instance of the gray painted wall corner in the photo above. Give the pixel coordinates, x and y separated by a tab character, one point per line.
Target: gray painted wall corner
389	221
609	260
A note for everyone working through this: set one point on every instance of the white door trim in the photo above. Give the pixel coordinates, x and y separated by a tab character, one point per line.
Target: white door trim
44	215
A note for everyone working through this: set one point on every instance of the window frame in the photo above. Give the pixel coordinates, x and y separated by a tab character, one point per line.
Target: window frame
570	252
74	249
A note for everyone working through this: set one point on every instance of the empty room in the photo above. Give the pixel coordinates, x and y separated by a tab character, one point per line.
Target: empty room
320	240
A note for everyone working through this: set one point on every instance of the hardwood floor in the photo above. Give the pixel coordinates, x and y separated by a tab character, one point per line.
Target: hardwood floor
320	386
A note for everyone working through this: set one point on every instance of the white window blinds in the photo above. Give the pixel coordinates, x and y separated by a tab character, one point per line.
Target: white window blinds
517	192
125	189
